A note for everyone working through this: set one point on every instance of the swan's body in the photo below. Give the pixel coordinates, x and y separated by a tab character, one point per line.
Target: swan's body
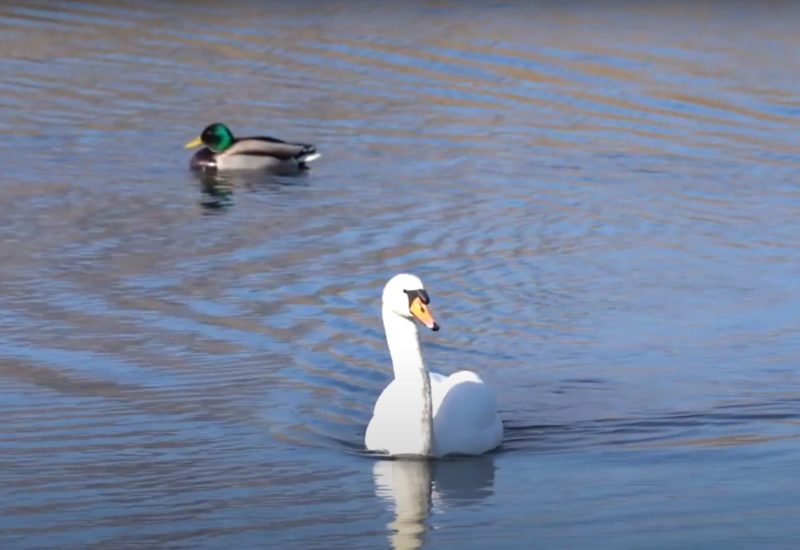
223	152
422	413
466	424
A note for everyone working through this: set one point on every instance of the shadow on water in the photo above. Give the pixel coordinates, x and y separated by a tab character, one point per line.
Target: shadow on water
414	489
217	189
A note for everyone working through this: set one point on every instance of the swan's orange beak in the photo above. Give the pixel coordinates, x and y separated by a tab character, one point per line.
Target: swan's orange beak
423	313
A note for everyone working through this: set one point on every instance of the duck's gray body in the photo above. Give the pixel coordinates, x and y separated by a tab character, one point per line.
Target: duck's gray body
257	153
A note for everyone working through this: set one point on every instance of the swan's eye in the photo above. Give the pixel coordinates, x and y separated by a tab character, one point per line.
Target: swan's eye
419	295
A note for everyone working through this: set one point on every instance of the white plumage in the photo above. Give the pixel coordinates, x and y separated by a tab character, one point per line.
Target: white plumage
422	413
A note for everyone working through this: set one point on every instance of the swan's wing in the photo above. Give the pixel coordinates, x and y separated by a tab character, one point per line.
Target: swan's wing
442	386
464	414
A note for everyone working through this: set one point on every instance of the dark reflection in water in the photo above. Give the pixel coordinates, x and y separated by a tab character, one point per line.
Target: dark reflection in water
216	193
217	189
602	199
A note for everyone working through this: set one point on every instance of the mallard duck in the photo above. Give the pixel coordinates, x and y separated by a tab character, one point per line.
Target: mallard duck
222	151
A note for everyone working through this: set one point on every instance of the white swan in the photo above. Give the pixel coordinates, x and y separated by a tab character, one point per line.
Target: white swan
423	413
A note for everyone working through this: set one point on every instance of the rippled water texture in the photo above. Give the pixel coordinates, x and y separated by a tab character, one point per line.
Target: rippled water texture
601	198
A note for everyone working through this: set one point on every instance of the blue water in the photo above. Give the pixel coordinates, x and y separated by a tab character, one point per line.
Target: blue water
603	203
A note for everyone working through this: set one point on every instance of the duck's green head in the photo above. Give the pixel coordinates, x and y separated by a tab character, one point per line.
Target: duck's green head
216	137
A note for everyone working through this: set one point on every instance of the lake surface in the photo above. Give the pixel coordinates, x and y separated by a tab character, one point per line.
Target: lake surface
603	202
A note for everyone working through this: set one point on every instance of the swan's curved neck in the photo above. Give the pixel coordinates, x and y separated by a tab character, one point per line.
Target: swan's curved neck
409	370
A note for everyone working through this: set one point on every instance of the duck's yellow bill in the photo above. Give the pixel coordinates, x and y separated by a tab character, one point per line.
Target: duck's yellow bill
423	313
196	142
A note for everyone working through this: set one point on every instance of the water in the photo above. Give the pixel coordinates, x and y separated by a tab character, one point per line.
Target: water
602	201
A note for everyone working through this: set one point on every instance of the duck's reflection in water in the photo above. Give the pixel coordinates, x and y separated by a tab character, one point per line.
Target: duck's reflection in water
217	188
216	191
414	488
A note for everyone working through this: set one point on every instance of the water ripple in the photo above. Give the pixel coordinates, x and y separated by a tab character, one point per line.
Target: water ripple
601	201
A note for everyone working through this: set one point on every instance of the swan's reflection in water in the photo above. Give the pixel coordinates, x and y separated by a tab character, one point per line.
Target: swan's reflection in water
415	488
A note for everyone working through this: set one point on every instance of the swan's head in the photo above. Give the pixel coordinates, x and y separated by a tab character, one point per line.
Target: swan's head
405	295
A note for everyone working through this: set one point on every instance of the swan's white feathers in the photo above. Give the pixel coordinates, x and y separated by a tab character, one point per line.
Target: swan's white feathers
465	417
463	407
